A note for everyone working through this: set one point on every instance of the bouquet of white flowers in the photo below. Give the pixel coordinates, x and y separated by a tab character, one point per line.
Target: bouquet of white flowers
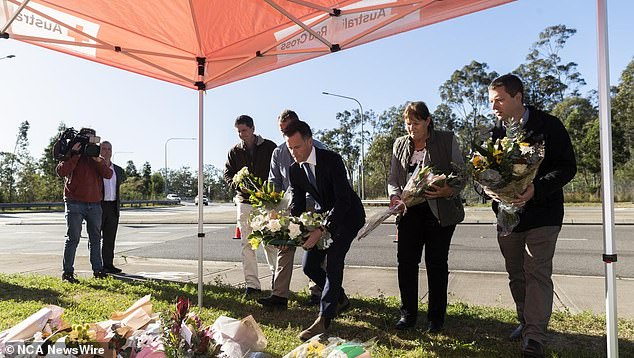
276	227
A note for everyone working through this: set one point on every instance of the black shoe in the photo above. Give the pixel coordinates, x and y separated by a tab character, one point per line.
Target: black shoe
516	335
313	300
405	323
111	269
99	274
532	349
274	302
250	291
343	304
69	277
434	327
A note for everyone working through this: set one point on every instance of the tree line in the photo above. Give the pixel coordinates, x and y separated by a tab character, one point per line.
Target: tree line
552	84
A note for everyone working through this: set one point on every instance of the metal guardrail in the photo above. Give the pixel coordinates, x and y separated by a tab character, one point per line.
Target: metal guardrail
60	204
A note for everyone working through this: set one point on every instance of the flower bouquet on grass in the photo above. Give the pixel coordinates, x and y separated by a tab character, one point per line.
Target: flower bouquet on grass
185	336
413	194
277	228
261	194
504	169
331	347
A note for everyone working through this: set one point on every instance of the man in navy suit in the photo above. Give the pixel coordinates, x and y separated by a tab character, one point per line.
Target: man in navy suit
321	174
111	207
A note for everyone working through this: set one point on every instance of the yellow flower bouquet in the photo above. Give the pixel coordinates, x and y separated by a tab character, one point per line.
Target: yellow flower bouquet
504	168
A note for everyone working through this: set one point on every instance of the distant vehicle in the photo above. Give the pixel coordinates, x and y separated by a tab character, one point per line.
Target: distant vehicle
205	200
173	197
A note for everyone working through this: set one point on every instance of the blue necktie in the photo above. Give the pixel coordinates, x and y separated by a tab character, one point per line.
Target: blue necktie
313	182
310	175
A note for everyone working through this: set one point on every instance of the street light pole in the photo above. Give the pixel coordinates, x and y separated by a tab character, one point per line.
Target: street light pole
167	141
7	56
362	171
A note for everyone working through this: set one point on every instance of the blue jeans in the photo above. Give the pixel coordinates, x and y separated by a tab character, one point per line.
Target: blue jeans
76	213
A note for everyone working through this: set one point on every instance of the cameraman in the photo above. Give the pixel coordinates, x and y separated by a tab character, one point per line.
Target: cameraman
83	192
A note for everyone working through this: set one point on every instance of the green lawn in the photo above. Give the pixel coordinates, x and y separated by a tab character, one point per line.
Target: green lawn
470	331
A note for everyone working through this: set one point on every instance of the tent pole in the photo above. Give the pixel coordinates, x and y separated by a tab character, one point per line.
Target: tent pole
201	234
609	248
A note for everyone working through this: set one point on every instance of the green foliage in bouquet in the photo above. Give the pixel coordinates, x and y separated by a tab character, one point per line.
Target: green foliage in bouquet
261	193
184	335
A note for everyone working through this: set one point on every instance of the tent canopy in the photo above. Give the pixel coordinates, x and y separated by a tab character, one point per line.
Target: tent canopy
174	40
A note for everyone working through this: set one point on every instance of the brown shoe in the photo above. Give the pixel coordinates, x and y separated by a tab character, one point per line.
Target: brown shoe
318	327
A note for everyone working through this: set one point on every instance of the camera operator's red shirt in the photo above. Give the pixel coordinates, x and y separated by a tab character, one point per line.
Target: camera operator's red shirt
83	178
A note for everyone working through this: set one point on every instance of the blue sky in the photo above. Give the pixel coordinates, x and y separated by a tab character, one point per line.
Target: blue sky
138	114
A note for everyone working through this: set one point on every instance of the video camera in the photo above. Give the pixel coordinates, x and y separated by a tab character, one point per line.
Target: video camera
67	139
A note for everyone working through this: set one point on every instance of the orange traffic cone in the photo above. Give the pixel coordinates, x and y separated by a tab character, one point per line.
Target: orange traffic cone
238	236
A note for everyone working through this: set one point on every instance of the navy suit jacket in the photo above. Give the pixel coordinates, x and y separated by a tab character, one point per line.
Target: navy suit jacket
333	193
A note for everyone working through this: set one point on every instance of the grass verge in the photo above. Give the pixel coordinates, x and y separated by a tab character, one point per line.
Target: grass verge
470	331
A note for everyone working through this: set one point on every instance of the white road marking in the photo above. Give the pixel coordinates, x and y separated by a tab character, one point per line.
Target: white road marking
135	243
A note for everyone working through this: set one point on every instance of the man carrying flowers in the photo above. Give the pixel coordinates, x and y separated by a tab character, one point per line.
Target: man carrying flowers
254	153
322	174
528	250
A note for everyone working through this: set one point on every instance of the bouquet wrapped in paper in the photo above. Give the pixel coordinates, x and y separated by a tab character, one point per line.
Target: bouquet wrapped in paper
413	194
504	168
331	347
276	227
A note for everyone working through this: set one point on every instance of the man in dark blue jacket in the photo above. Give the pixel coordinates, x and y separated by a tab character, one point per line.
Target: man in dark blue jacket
111	208
528	251
321	174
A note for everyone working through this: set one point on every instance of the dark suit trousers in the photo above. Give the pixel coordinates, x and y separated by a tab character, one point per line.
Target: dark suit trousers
109	225
331	279
420	229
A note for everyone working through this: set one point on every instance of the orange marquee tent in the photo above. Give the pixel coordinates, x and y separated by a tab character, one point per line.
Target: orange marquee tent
220	40
202	44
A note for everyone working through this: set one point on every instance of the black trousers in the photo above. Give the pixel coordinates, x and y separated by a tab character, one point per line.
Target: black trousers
109	225
420	229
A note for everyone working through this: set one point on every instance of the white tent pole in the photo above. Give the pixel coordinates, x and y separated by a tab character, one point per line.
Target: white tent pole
607	192
201	233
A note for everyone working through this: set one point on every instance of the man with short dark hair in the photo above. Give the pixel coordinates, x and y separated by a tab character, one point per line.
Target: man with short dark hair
528	251
83	191
111	208
322	174
253	152
281	161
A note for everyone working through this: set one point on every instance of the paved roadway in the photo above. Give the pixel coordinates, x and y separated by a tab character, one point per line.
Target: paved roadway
474	247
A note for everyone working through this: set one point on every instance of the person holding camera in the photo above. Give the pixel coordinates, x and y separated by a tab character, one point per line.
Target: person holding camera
83	172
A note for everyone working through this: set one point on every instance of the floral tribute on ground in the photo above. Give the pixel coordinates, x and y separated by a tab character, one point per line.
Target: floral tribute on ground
134	333
321	346
413	194
504	168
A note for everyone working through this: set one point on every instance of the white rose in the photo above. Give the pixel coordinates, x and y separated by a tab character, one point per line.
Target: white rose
294	230
274	225
526	150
